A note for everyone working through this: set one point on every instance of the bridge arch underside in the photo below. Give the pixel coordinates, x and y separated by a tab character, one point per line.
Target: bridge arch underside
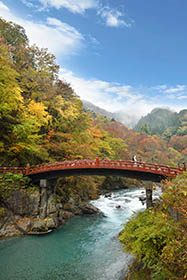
55	174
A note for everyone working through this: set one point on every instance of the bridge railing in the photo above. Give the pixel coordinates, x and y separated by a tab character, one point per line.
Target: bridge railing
15	170
104	163
119	164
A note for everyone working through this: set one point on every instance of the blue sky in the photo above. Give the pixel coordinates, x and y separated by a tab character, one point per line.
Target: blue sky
121	55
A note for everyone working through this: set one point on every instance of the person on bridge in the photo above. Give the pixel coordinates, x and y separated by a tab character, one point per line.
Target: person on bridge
134	159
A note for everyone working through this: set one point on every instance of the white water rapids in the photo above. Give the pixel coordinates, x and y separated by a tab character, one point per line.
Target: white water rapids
85	248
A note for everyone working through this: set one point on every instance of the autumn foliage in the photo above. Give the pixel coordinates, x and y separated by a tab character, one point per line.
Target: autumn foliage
43	120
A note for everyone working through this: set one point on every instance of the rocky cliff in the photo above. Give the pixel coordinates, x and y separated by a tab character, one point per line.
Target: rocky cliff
36	210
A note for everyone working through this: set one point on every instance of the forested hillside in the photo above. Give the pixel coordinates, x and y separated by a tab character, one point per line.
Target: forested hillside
164	122
41	117
43	120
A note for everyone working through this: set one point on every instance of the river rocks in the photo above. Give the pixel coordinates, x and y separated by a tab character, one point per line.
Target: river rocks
89	209
51	223
23	225
9	230
70	207
36	211
42	225
82	209
27	211
108	195
63	216
7	225
66	214
142	199
39	226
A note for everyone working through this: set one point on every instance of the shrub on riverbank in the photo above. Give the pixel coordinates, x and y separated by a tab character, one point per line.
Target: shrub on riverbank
10	182
157	237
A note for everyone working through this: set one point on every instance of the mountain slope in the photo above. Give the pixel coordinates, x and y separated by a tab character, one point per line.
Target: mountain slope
157	121
128	120
93	108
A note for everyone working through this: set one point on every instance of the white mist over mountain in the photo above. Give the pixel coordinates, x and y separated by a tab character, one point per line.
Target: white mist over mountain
130	120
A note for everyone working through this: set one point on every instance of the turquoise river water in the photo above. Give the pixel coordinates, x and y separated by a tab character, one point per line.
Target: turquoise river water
85	248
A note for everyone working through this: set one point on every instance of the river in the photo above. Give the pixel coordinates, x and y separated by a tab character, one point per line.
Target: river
85	248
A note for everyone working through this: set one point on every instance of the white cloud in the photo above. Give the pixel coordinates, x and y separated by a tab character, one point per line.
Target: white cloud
59	37
116	97
75	6
124	92
63	39
3	7
160	88
171	96
182	97
178	88
93	40
65	28
54	21
27	3
113	17
109	96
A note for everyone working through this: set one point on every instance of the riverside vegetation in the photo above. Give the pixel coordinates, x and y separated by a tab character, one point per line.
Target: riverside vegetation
158	237
43	120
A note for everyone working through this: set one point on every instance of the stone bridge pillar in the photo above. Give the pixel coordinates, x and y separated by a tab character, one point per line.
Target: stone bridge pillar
47	197
149	194
43	198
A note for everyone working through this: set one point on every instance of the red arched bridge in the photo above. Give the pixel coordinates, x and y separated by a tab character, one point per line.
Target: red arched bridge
125	168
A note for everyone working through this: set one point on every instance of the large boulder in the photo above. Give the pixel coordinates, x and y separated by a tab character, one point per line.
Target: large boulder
51	223
66	214
89	209
23	225
43	225
38	225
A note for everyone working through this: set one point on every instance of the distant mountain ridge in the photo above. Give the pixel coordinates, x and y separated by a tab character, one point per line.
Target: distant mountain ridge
164	122
126	119
93	108
161	121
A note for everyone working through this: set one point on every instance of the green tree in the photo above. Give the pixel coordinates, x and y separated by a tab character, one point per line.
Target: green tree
145	129
13	34
20	122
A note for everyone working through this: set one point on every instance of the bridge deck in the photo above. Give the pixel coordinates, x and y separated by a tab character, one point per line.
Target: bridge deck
149	168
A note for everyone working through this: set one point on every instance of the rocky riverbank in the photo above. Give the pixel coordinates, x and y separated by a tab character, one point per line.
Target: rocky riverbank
28	209
26	212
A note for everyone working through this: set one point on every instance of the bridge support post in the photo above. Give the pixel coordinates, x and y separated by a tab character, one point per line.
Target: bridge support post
149	194
47	198
43	183
43	198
